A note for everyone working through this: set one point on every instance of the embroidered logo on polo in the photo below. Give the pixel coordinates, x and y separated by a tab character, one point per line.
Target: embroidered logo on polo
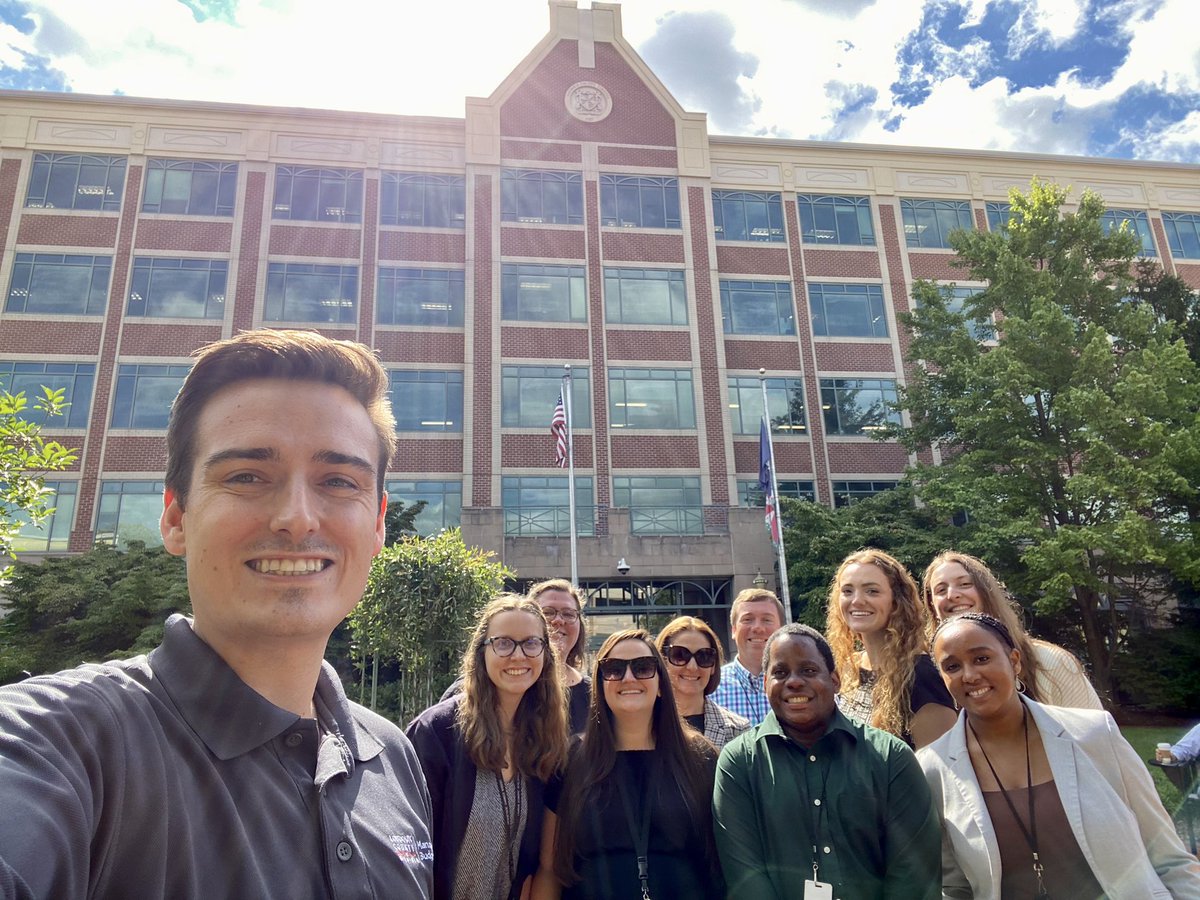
410	850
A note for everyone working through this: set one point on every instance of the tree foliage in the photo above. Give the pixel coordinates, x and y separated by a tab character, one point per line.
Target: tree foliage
24	457
1075	435
100	605
422	597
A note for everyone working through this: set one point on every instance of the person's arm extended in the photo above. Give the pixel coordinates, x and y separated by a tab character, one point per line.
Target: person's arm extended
546	885
1188	748
735	825
914	835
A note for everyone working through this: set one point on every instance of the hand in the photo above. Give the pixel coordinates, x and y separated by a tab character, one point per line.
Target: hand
1163	756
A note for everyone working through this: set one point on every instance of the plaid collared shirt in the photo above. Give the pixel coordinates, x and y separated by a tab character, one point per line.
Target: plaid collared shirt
741	692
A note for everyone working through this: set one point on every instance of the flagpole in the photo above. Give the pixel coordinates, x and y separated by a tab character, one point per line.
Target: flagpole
785	595
566	394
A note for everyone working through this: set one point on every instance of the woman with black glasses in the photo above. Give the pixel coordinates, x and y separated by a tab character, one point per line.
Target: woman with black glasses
488	752
694	660
631	817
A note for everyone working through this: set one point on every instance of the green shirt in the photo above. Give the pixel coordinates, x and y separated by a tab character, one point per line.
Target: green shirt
857	794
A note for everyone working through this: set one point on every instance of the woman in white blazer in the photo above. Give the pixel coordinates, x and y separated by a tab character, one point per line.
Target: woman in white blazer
1041	801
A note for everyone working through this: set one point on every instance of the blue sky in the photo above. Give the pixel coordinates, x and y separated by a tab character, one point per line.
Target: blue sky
1117	78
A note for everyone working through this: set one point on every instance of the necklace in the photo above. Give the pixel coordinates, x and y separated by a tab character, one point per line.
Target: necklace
512	819
1030	833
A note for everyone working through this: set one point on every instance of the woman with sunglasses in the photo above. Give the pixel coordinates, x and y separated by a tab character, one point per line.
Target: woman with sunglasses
631	816
956	583
1041	801
694	660
488	752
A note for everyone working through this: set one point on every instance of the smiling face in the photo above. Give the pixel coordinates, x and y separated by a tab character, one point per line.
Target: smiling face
632	697
513	675
688	682
283	516
800	688
865	598
757	620
954	591
564	632
979	669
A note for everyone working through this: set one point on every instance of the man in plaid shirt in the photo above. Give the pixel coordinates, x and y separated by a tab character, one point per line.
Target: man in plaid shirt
756	615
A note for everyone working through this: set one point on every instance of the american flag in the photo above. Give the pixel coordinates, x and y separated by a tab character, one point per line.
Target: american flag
764	481
558	430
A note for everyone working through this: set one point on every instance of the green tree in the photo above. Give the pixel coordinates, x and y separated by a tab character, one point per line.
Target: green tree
24	457
401	519
1172	299
1070	438
103	604
422	597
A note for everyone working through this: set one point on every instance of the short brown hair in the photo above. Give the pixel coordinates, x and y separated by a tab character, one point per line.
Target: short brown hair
754	595
276	353
691	623
575	653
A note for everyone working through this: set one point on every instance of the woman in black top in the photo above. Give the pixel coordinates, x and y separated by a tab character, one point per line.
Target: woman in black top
636	779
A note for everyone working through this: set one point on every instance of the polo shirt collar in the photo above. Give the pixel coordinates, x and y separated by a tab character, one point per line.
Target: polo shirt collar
839	723
228	715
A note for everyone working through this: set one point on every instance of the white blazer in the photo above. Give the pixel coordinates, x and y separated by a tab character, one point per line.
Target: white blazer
1108	795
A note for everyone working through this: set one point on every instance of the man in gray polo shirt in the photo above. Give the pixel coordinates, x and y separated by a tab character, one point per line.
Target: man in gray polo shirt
228	762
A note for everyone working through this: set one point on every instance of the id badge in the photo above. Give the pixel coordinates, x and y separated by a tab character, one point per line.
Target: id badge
817	890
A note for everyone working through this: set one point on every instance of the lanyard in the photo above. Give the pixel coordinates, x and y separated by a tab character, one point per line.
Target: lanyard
818	812
641	836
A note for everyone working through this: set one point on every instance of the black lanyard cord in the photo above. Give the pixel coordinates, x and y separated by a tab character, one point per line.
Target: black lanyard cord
640	835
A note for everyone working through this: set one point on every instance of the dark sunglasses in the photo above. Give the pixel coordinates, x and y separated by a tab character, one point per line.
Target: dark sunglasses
681	656
614	669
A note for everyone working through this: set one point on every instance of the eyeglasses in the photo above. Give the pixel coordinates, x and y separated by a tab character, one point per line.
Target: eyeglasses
681	656
506	646
567	615
613	669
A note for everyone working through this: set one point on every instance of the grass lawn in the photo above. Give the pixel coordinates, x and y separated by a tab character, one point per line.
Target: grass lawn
1143	738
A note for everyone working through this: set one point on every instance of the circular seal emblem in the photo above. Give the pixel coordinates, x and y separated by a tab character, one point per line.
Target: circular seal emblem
588	101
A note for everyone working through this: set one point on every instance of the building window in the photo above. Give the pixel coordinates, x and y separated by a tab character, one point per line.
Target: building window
928	223
1139	225
530	393
785	401
423	201
1183	234
633	201
181	288
318	195
848	492
651	398
757	307
661	505
54	532
847	310
144	395
129	511
528	195
59	284
68	181
749	493
835	220
76	380
420	297
645	296
542	293
747	216
426	401
998	215
980	329
443	503
306	292
190	187
539	506
858	405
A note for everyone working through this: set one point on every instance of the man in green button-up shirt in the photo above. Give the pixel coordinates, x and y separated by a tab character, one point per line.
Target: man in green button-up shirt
810	788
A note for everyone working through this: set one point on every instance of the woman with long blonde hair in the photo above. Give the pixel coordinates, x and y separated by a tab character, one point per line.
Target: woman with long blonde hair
876	626
488	752
958	582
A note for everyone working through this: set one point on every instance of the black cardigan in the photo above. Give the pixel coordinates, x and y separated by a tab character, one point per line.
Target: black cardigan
450	775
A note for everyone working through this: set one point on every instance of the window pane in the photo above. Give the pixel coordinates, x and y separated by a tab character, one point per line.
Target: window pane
847	310
187	288
62	284
785	399
318	195
76	379
301	292
129	511
848	492
540	506
661	505
443	503
651	398
645	296
757	307
190	187
423	200
144	395
542	293
747	216
54	532
855	406
928	223
541	197
530	393
427	401
639	202
420	297
69	181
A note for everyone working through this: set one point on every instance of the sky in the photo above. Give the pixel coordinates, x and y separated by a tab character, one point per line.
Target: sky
1113	78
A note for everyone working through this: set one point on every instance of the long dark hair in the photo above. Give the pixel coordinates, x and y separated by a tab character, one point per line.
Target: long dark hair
539	729
680	753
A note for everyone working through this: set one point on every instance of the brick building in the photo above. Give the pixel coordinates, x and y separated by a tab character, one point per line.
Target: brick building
576	216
